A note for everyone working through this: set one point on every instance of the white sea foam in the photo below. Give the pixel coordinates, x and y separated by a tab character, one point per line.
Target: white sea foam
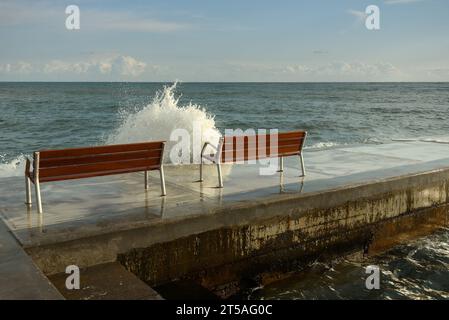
161	117
322	145
13	168
437	139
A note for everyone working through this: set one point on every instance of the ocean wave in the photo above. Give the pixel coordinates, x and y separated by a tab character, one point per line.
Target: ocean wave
159	120
13	168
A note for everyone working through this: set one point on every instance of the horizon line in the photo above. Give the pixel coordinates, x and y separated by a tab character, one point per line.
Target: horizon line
179	81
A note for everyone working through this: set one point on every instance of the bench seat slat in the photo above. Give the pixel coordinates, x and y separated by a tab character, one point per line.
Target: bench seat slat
279	137
96	174
98	167
259	153
252	145
263	148
100	158
258	158
262	151
75	152
246	157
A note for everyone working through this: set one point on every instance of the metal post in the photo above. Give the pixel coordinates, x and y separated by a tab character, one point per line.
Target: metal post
36	183
218	161
281	182
220	177
303	168
281	164
161	171
146	180
201	160
28	191
201	168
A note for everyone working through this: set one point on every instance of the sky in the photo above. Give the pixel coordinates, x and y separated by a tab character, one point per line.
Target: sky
227	40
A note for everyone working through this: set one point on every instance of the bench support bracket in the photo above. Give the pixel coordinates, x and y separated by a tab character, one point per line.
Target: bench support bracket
38	197
37	185
303	167
216	160
146	180
220	176
28	201
161	172
281	164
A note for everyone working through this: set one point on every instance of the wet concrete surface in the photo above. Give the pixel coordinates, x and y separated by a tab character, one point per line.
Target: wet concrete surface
19	276
79	208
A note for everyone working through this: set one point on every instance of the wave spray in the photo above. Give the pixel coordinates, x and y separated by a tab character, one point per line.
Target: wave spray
161	118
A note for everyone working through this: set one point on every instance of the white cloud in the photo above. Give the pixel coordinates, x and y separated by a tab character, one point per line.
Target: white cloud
345	69
332	71
58	66
114	65
20	67
297	69
128	66
105	67
120	65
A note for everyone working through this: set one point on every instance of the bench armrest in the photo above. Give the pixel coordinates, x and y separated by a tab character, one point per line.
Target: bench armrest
208	144
213	156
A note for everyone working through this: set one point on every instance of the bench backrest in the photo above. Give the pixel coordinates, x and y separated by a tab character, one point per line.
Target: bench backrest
254	147
64	164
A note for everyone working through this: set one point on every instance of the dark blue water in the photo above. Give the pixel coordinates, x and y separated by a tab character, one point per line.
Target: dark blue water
416	270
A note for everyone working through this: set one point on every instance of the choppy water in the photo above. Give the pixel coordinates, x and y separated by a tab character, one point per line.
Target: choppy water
52	115
417	270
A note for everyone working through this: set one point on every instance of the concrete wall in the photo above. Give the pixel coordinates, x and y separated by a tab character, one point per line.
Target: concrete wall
267	236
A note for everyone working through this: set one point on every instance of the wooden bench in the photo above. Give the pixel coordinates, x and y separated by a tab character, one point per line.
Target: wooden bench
77	163
238	149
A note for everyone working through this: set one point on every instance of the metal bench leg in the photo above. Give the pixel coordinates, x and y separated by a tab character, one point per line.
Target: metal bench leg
201	169
146	180
281	164
303	168
28	191
220	177
38	197
161	171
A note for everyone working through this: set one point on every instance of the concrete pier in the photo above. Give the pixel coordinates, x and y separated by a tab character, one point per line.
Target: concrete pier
109	281
19	277
355	199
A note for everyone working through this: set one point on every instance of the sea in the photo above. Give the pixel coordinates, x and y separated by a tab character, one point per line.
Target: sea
47	115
